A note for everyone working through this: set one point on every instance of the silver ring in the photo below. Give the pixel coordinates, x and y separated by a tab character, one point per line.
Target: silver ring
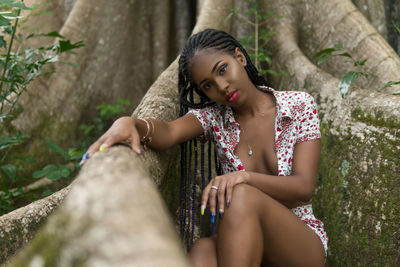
214	187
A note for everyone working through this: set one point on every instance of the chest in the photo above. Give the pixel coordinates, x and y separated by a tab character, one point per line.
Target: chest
256	147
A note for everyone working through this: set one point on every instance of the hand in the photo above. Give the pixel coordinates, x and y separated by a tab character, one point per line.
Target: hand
122	130
219	188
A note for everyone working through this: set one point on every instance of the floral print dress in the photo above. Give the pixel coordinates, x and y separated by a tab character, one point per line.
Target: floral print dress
296	121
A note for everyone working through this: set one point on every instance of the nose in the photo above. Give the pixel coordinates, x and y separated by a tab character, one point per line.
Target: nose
222	84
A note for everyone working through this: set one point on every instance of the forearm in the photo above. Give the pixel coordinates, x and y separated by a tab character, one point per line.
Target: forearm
157	131
287	189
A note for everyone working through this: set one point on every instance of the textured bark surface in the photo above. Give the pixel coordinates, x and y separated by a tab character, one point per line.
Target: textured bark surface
359	171
374	11
160	102
19	226
358	192
113	216
127	47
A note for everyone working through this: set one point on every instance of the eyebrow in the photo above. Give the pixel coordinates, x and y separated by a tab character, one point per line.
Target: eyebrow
213	69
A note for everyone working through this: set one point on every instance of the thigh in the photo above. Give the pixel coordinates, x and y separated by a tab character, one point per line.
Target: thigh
287	240
203	252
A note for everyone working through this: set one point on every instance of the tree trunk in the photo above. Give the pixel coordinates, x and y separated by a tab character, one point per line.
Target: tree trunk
358	189
160	102
126	48
358	184
113	216
374	11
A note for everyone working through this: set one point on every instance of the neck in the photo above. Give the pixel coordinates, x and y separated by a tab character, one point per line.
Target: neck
256	102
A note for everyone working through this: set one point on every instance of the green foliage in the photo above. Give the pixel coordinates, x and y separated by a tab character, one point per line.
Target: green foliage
255	43
352	76
349	78
19	67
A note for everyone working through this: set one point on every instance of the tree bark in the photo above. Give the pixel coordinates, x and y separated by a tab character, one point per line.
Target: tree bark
160	102
126	48
358	189
19	227
113	216
374	11
359	171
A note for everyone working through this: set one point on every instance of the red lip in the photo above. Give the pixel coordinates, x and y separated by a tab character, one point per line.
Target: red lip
232	96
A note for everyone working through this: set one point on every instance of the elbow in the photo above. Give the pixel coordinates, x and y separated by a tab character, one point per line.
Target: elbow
306	191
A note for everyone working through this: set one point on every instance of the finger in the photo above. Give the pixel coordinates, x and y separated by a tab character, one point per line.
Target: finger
221	198
96	145
92	149
204	197
212	201
229	189
135	144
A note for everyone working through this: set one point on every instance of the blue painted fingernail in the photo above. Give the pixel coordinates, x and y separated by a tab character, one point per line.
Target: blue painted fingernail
212	217
228	202
141	152
84	158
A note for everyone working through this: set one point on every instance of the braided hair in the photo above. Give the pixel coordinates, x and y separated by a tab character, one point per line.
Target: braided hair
218	40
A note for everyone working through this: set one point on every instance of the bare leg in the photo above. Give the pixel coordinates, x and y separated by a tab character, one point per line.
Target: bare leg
203	253
257	229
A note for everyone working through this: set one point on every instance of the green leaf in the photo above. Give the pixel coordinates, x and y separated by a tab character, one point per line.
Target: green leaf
67	45
45	171
74	153
328	51
360	63
397	28
346	82
345	54
10	171
47	192
50	34
53	172
388	84
396	93
56	149
4	21
324	58
13	4
61	171
6	142
3	42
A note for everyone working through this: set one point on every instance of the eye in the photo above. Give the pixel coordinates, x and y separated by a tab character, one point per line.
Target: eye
222	70
206	86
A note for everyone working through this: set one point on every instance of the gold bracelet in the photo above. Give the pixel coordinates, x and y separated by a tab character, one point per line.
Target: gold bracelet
152	130
148	130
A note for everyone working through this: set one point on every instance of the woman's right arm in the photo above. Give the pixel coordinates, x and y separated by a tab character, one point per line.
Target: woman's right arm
163	136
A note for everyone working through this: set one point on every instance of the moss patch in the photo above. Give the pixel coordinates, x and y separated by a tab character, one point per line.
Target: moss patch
47	245
357	198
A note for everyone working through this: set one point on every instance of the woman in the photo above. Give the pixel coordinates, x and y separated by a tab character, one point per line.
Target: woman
268	144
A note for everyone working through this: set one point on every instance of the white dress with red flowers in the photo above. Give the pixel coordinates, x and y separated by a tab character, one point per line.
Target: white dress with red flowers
296	121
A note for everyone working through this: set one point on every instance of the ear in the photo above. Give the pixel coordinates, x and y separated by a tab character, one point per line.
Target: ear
240	56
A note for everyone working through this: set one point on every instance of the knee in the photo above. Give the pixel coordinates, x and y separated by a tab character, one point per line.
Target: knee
243	202
203	252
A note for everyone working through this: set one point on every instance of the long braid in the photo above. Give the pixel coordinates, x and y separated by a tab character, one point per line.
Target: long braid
220	41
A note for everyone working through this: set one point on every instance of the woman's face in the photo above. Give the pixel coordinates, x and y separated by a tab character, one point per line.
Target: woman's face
221	76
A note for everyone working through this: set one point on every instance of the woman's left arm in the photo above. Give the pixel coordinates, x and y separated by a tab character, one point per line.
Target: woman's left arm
299	186
289	190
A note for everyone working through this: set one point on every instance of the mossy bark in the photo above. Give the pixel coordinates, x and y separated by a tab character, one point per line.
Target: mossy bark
160	102
113	216
358	182
359	176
